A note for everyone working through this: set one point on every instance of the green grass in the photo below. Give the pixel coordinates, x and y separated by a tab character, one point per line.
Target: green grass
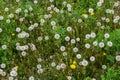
50	50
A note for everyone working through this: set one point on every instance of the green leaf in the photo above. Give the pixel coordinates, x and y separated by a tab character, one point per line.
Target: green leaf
110	58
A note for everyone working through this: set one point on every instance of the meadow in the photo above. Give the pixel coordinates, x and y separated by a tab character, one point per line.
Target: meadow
59	40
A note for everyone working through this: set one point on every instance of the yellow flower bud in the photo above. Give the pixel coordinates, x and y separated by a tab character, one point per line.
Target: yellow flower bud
13	34
92	13
104	54
83	14
16	67
74	62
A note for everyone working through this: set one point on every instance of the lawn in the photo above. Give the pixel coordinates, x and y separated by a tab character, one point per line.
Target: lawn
59	40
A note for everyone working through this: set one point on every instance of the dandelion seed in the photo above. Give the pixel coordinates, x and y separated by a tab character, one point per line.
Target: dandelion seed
78	39
39	66
10	78
30	8
73	41
95	43
3	65
62	48
53	64
90	10
35	1
11	15
103	19
78	56
67	38
13	73
18	29
64	3
69	5
116	4
107	20
64	54
112	12
84	62
93	79
1	17
57	36
17	0
40	71
69	77
3	73
0	30
79	20
101	1
99	23
22	48
53	23
106	35
46	38
115	21
23	53
107	10
109	43
21	35
101	44
8	21
46	16
87	36
92	58
25	11
18	11
49	8
92	35
39	60
40	38
63	66
14	69
6	9
31	78
21	19
104	67
51	0
69	9
87	45
4	47
75	49
99	4
85	15
117	58
69	29
32	46
58	67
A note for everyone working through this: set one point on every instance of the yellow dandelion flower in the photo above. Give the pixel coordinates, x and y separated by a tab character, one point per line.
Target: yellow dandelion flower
74	62
72	66
92	13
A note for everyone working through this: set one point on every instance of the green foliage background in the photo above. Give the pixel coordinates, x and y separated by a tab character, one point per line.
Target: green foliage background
27	65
